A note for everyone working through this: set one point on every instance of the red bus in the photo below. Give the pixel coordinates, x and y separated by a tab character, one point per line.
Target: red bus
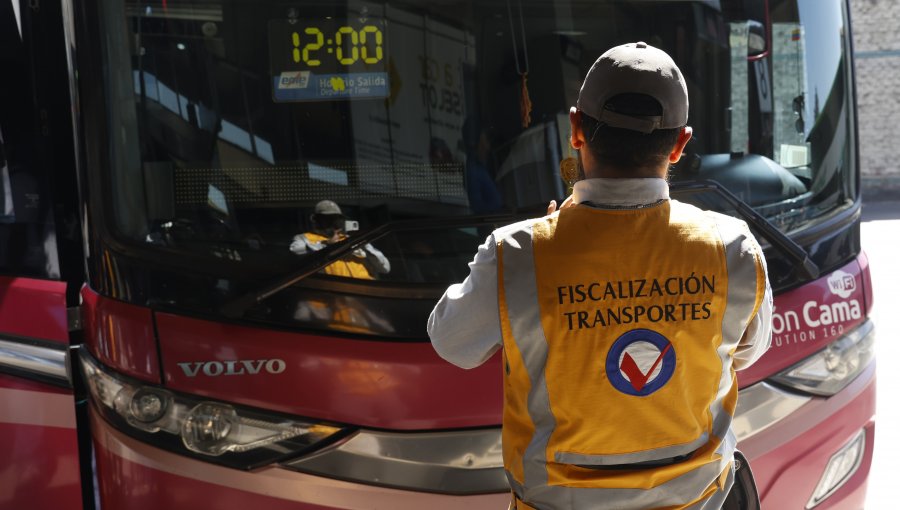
223	224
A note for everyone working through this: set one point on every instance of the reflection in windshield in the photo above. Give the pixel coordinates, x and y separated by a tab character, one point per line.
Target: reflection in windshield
330	226
235	120
481	185
341	313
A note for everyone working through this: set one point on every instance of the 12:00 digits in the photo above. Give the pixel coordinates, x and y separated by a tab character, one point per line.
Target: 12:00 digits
359	45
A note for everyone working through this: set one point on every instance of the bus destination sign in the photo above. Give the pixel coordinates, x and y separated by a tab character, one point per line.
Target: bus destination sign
327	59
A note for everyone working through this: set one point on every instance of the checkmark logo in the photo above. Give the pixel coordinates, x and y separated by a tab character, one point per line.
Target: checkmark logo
636	376
631	354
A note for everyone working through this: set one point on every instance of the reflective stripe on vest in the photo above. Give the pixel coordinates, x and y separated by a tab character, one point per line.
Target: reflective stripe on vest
620	352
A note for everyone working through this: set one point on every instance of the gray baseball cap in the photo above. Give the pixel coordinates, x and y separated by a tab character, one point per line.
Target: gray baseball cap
327	207
635	68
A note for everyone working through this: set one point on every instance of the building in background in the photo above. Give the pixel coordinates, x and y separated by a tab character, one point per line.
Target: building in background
877	50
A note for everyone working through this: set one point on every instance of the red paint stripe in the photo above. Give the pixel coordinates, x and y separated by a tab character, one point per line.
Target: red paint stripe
36	408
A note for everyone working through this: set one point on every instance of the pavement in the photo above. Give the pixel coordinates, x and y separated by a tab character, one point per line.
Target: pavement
880	233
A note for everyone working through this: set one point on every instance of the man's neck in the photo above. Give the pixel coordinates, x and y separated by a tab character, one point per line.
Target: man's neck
607	172
594	168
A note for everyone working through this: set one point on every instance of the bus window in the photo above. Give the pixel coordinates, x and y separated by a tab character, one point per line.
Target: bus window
27	235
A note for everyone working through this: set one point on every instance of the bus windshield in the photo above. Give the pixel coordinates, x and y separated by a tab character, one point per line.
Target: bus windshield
254	133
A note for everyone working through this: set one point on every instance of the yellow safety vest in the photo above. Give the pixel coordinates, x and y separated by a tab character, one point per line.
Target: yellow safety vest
619	327
346	267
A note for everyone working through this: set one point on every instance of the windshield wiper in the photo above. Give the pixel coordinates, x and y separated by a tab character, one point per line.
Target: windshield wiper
769	232
317	260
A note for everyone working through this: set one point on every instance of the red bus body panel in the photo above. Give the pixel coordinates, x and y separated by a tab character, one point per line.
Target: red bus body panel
390	385
405	386
34	309
38	441
137	476
803	443
801	327
120	335
38	451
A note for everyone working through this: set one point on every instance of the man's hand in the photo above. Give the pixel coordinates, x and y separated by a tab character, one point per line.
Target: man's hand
565	205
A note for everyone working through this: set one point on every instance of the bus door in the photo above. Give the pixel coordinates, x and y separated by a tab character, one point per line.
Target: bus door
39	461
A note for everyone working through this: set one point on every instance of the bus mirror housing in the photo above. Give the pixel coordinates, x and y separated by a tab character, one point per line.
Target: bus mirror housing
756	40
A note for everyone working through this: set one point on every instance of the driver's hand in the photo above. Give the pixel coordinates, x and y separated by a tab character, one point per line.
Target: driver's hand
568	202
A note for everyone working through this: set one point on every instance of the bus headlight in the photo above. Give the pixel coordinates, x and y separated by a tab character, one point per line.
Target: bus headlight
834	367
149	405
214	431
207	427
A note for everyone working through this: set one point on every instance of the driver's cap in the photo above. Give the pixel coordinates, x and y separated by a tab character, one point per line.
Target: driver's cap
327	207
635	68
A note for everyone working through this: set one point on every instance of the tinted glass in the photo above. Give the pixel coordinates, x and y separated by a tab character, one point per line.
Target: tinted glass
233	121
27	226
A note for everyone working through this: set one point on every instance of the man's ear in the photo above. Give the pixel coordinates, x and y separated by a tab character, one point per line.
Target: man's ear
684	136
576	138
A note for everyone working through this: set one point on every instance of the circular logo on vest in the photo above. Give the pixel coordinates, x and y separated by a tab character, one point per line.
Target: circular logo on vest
640	362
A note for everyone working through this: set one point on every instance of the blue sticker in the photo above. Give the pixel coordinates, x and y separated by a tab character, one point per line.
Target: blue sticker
640	362
301	86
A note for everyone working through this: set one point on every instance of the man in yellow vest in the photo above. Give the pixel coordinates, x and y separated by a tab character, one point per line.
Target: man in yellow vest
622	317
328	228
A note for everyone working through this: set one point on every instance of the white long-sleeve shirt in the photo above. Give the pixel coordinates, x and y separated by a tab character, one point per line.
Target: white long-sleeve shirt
464	327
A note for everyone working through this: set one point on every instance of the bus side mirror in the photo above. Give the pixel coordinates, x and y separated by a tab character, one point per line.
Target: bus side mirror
757	42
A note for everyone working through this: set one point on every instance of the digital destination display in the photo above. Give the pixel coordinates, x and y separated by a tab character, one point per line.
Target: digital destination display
328	59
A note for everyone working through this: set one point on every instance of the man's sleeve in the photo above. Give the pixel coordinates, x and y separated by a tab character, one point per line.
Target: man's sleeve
380	264
758	335
465	325
300	245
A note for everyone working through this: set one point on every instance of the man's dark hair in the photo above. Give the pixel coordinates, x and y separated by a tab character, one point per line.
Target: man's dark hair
625	149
